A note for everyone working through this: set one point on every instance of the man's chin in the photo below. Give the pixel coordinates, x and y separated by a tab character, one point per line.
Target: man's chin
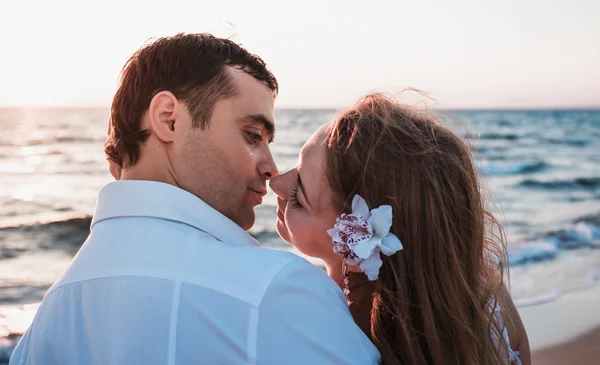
244	220
246	226
247	220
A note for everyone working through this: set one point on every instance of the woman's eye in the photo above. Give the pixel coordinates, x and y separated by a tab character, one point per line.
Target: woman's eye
294	199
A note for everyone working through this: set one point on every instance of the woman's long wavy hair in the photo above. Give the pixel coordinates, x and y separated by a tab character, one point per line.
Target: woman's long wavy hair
433	302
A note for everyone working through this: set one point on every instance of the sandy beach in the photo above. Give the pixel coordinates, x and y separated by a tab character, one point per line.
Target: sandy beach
565	331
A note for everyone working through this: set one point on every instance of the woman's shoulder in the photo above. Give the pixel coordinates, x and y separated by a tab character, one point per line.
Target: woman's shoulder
514	332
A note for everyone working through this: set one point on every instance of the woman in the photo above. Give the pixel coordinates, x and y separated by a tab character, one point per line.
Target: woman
390	200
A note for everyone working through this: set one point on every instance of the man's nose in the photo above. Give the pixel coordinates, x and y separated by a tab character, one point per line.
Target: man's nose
267	167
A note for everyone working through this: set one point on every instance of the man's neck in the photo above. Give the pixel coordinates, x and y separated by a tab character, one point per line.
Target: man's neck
142	171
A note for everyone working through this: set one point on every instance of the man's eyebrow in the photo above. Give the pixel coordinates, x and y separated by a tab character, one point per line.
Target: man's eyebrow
301	186
263	121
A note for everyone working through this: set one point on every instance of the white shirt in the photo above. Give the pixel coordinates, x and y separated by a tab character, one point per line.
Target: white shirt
163	278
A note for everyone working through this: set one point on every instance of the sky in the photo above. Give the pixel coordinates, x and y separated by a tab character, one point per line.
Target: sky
325	53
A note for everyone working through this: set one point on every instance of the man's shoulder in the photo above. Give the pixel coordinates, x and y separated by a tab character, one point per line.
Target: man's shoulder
249	272
273	264
271	259
286	272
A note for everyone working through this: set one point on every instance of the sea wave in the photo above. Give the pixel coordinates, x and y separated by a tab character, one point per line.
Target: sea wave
51	140
7	346
586	183
66	235
511	167
70	233
495	136
568	142
583	234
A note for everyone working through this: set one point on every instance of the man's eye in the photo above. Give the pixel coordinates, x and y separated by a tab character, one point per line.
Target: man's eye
254	137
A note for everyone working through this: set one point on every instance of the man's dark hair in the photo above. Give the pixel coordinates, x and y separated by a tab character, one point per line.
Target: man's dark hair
193	68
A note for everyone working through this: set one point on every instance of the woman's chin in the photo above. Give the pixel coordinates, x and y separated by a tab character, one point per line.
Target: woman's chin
285	235
282	231
309	250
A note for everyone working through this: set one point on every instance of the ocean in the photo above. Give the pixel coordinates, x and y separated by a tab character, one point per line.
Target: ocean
542	168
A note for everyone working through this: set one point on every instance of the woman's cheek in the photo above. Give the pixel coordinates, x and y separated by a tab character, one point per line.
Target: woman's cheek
300	231
294	223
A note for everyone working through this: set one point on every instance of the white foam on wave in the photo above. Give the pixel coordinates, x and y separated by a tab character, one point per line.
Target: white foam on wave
539	250
579	235
541	299
554	294
587	231
571	271
14	321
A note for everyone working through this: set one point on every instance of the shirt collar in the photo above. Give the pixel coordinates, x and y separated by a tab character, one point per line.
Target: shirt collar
140	198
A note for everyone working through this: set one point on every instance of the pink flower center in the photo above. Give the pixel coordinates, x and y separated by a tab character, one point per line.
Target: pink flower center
353	230
343	250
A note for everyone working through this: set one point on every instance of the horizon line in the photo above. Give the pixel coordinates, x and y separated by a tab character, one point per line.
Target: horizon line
332	108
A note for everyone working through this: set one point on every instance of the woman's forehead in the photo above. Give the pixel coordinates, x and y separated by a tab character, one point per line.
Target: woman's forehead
311	167
312	156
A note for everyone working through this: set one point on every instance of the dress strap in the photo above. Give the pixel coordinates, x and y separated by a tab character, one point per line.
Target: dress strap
512	355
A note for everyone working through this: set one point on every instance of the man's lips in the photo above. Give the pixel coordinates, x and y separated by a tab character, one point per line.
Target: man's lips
262	192
257	195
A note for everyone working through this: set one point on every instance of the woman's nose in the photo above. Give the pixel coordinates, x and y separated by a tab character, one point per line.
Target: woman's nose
277	184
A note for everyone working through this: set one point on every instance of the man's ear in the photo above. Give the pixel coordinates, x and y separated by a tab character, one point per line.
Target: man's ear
162	113
115	170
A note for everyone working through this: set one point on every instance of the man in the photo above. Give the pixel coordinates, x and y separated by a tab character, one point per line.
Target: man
168	274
